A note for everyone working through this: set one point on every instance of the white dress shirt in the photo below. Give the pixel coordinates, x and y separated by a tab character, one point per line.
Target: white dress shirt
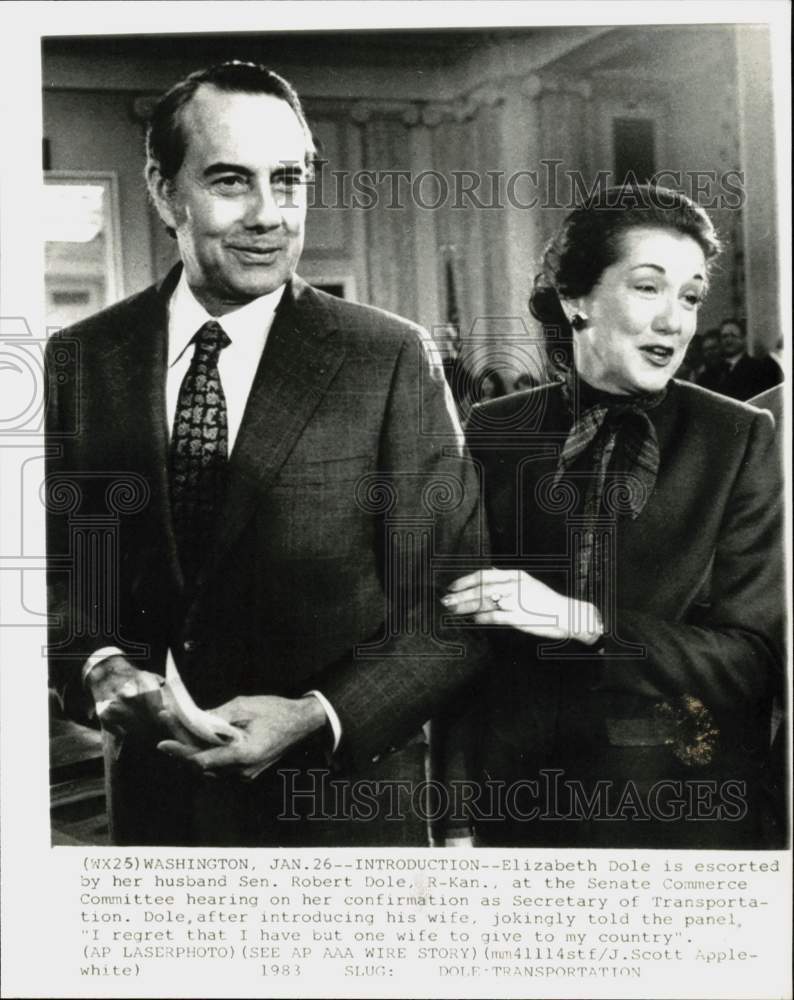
247	328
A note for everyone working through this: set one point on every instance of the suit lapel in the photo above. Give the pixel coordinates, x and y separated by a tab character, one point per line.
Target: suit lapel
136	365
298	364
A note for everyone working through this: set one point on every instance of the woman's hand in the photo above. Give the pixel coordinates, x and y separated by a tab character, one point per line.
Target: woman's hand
518	600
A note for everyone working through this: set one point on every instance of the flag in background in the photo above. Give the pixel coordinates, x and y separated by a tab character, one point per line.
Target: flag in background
453	313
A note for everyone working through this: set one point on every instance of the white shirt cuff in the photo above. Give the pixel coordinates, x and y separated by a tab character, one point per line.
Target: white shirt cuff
333	718
98	657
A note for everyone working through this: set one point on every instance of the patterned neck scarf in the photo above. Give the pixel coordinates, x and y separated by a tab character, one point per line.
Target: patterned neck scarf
607	429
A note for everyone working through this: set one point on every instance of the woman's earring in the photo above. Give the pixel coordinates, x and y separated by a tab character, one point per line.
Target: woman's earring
578	321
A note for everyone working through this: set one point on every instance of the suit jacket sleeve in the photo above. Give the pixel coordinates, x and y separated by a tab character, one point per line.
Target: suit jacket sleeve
66	652
432	531
733	654
84	578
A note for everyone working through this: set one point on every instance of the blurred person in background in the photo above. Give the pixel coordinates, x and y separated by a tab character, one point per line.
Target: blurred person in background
746	376
714	367
692	365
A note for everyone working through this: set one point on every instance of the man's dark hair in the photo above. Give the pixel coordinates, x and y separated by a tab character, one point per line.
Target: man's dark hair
734	321
590	240
166	141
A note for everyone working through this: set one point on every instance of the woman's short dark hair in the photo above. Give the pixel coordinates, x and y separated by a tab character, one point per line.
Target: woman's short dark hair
166	141
589	241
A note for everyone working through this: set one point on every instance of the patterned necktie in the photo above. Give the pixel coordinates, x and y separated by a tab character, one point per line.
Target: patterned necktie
199	449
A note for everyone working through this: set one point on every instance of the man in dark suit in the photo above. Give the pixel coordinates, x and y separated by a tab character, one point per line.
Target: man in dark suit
715	368
266	484
745	376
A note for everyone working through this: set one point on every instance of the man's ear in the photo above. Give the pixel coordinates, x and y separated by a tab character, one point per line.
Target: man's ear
161	193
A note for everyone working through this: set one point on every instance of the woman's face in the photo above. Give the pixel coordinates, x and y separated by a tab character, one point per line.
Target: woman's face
642	314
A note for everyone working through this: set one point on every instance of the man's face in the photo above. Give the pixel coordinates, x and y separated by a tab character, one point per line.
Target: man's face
238	202
731	340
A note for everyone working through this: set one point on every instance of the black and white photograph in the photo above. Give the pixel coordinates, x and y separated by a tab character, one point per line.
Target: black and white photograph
397	430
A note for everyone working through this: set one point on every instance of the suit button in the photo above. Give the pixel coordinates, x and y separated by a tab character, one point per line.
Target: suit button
190	645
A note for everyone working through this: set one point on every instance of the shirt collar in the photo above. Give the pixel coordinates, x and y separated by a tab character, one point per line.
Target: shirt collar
247	325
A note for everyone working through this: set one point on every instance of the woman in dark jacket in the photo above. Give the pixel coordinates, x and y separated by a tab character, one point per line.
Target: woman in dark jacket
636	593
